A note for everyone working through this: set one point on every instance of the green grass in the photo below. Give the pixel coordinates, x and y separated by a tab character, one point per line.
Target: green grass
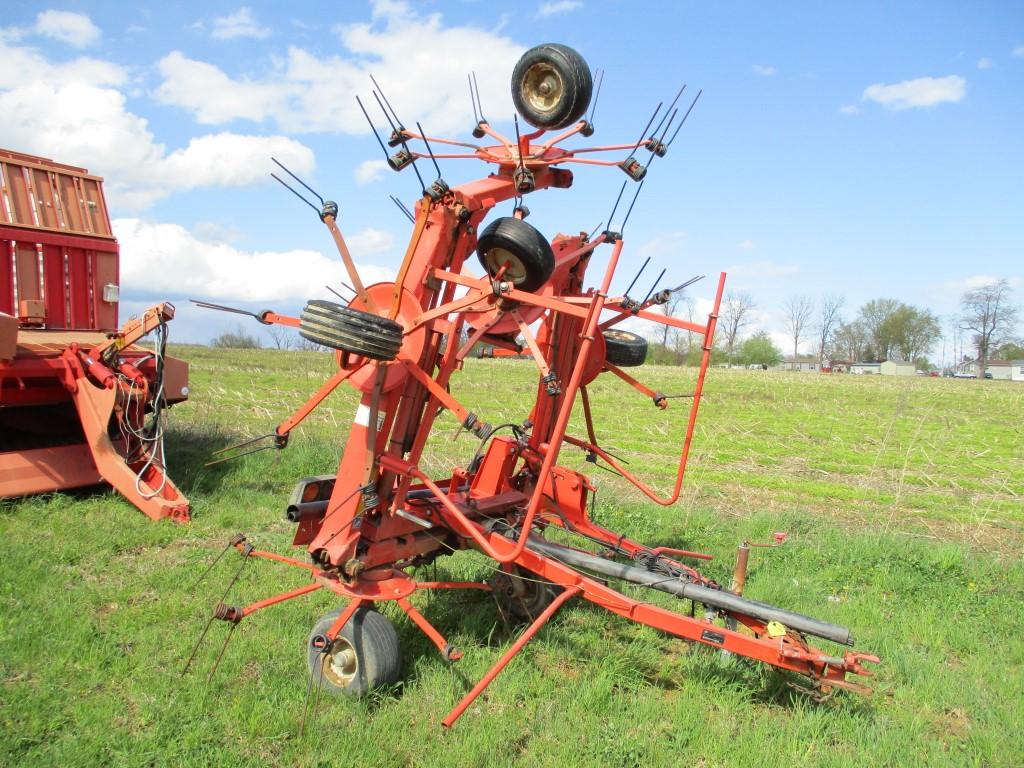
903	500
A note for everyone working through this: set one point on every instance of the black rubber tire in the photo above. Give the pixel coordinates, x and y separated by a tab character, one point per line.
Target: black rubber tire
624	349
528	253
378	655
564	72
526	608
352	330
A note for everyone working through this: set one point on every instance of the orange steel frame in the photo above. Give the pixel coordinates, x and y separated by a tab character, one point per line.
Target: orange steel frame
386	514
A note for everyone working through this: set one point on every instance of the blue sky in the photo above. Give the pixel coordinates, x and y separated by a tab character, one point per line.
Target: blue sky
865	150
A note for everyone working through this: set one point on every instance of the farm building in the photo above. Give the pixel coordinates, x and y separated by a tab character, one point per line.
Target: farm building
897	368
863	368
798	363
837	366
1007	370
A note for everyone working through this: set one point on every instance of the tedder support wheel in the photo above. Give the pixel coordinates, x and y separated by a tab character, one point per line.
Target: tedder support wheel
624	349
551	86
365	654
351	330
526	252
537	594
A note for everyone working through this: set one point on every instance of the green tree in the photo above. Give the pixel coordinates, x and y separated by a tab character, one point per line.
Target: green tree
895	330
759	349
910	332
1011	350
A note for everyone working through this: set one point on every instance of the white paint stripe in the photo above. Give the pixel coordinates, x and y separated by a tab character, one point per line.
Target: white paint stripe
362	415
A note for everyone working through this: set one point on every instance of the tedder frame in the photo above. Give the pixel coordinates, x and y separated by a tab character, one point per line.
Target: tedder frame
399	344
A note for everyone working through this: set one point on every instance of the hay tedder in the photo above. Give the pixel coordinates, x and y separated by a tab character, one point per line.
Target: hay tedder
381	515
80	404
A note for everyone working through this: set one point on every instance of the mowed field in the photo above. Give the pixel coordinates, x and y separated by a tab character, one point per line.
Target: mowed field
903	500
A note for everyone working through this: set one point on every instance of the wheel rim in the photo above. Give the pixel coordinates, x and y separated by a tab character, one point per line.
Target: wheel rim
618	335
341	665
530	604
496	258
542	87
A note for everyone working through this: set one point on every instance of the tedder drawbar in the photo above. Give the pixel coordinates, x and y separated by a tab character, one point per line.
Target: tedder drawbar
399	343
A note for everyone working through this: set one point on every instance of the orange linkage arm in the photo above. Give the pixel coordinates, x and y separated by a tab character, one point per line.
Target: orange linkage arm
709	337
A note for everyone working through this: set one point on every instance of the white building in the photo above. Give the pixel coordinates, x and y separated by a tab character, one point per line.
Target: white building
801	363
897	368
1007	370
866	368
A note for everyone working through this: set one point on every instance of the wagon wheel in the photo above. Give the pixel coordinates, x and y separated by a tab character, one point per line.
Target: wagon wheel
551	86
624	349
365	654
351	330
520	248
537	594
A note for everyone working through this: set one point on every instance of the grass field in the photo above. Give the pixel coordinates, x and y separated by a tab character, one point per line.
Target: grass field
904	501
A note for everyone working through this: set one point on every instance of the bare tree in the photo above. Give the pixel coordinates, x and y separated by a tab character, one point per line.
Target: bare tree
735	315
851	341
684	340
798	315
670	336
989	314
281	336
828	320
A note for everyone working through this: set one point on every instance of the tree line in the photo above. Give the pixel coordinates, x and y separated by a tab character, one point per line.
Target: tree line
882	329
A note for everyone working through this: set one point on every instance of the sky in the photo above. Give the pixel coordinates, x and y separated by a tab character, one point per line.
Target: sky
867	149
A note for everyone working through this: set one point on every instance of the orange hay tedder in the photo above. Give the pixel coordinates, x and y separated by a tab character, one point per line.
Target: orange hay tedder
79	403
399	344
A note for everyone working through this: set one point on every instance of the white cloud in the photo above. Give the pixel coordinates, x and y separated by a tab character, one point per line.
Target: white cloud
1018	51
241	23
985	63
850	109
557	7
204	270
420	62
370	171
950	291
922	92
217	232
23	66
74	112
212	96
758	269
764	71
745	245
370	241
231	160
75	29
667	244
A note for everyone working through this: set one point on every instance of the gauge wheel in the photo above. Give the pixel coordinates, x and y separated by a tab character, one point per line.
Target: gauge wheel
526	252
351	330
537	595
551	86
365	655
624	349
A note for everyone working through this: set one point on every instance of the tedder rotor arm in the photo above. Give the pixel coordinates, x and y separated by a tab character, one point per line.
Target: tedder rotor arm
266	316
